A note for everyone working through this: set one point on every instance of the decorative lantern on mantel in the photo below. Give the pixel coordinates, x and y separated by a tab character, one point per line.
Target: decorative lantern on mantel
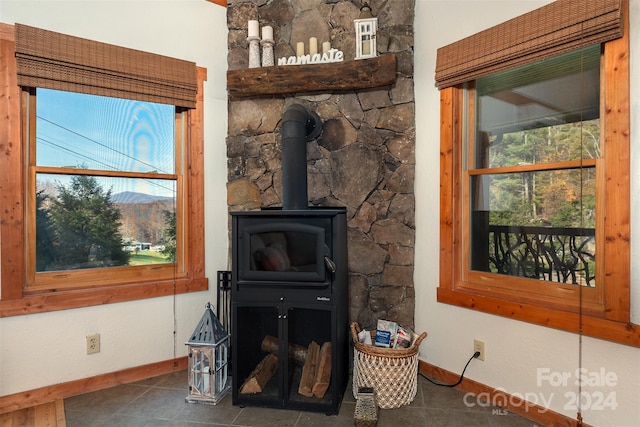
208	370
366	28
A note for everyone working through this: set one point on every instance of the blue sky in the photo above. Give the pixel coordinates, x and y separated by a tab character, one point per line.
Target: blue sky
77	130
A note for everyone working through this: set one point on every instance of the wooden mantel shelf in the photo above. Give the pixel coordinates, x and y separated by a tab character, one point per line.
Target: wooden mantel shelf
286	79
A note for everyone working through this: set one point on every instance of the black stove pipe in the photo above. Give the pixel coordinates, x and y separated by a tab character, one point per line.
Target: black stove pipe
299	125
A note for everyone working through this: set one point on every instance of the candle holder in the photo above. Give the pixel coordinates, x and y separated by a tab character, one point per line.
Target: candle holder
366	28
267	53
208	367
254	51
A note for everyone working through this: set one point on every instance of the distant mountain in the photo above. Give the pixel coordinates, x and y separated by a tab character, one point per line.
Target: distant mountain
143	216
130	197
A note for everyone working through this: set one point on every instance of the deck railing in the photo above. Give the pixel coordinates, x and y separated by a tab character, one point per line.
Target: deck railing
557	254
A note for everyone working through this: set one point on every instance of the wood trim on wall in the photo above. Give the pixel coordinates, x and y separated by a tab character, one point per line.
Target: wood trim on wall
617	119
220	2
26	399
195	160
497	398
11	214
63	300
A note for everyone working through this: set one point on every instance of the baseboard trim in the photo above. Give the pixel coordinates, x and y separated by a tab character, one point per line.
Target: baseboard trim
511	403
26	399
505	401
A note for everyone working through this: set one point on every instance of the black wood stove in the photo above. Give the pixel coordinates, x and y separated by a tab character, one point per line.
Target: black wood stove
289	293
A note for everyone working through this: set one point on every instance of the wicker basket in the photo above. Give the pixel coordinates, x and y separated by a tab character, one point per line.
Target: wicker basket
393	373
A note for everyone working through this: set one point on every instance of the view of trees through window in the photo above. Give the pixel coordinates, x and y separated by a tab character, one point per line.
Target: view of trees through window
82	225
541	224
532	180
105	182
557	197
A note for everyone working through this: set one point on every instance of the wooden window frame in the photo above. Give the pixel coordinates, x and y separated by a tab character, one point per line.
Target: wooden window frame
14	299
43	281
613	323
562	295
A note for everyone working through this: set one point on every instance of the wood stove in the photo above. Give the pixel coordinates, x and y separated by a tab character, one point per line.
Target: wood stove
289	301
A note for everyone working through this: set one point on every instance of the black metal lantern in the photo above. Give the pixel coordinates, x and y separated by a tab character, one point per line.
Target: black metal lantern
208	370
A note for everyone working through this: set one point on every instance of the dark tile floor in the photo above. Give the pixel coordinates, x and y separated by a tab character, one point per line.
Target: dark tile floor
159	402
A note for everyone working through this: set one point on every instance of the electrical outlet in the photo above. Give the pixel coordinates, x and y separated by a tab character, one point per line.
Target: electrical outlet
479	347
93	343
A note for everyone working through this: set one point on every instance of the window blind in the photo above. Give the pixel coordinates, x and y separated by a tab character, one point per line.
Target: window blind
558	27
52	60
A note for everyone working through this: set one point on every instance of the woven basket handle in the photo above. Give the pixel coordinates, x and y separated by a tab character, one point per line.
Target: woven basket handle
417	341
355	330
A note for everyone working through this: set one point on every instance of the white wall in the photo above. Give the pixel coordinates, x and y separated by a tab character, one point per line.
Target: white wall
514	350
43	349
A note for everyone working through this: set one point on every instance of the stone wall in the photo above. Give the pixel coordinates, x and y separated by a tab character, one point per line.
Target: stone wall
364	159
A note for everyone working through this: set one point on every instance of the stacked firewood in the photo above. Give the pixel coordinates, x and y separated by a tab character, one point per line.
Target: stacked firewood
314	359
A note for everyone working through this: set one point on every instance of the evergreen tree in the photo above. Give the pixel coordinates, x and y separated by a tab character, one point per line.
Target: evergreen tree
45	248
169	239
86	225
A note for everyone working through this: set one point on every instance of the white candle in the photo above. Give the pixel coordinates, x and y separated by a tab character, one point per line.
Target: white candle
267	33
300	49
254	29
313	46
326	47
366	47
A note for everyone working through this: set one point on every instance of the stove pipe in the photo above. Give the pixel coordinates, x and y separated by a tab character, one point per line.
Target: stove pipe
299	125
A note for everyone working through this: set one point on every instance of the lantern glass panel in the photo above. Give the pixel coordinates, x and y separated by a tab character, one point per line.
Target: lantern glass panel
221	373
366	44
201	371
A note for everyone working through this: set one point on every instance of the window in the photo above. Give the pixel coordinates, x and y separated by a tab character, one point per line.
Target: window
532	151
103	185
535	185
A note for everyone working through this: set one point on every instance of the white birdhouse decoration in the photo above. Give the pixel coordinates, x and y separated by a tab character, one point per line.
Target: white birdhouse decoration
366	28
209	379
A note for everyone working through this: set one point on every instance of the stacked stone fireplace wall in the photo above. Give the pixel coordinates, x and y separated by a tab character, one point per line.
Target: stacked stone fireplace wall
363	160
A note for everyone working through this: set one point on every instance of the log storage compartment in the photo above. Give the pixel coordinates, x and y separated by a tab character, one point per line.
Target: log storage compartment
289	309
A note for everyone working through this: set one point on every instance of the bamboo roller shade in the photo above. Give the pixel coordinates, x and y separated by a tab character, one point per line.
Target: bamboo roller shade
52	60
558	27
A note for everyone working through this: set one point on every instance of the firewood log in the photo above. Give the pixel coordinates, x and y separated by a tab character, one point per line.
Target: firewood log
323	374
309	370
260	376
296	352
